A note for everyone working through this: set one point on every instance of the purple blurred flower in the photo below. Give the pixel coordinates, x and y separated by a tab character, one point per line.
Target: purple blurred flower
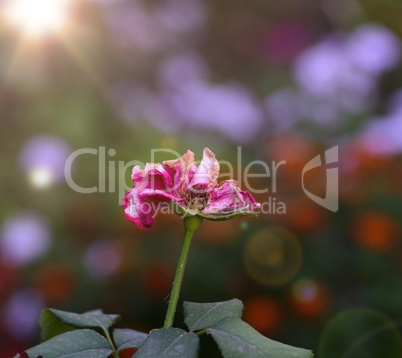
138	26
286	107
324	72
383	135
373	48
135	103
43	158
24	237
192	100
21	314
347	62
106	2
229	108
128	97
102	258
182	69
283	108
336	78
186	98
395	102
181	16
235	112
132	25
344	68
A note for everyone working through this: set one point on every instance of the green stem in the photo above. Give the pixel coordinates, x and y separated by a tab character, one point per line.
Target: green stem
106	331
191	225
201	332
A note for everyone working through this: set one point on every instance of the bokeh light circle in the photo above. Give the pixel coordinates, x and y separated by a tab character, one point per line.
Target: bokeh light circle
273	256
360	333
24	237
309	299
43	159
103	258
21	314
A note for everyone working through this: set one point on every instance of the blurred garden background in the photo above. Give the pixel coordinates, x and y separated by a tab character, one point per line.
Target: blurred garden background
284	80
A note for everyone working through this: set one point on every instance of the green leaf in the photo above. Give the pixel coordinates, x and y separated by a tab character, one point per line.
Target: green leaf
82	343
128	338
360	333
237	339
54	322
204	315
51	326
169	342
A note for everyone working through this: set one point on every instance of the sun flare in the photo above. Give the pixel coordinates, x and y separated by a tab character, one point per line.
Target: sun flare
37	17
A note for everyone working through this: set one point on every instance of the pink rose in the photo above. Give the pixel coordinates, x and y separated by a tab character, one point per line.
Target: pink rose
191	189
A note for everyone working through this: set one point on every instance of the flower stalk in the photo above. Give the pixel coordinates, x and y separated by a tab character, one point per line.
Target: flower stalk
191	225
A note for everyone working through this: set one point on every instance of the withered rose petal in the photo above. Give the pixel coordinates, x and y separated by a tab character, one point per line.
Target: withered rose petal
192	189
207	172
152	177
137	210
181	171
229	198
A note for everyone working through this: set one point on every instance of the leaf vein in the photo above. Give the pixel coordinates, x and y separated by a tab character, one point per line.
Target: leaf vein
231	335
174	342
207	313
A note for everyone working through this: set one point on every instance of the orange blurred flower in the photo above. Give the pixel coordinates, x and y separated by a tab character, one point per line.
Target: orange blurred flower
375	231
263	313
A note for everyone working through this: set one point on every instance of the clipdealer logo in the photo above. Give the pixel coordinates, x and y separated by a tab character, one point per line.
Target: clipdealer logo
114	172
331	199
